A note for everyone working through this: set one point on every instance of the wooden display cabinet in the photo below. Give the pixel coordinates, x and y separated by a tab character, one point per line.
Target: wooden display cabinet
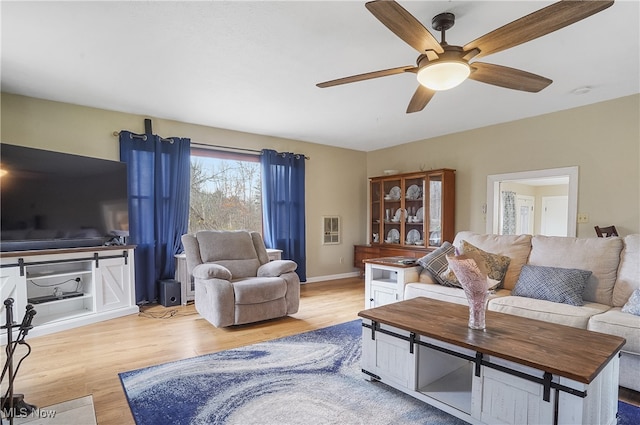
410	214
413	209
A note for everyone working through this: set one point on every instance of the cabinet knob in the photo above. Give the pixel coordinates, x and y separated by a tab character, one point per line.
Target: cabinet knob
370	299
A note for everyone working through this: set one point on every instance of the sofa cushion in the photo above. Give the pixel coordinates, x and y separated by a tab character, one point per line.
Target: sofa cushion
548	311
629	270
241	268
598	255
555	284
232	249
257	290
633	305
615	322
435	262
516	247
436	291
225	245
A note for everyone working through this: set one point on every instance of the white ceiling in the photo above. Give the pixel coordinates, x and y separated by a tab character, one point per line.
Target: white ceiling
253	66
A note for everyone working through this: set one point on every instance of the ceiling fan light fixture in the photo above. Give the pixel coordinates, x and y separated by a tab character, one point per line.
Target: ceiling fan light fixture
443	74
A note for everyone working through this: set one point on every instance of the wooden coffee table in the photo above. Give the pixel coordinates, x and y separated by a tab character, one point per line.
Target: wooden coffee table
516	371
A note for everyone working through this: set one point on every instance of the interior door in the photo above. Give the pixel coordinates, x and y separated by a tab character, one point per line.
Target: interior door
553	220
525	208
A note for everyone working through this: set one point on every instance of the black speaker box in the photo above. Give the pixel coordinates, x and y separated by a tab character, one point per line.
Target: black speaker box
169	292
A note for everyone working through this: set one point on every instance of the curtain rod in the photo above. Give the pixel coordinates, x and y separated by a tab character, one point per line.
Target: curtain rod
231	148
141	136
200	145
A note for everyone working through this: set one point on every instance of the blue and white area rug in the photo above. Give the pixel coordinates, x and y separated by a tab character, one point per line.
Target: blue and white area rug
310	378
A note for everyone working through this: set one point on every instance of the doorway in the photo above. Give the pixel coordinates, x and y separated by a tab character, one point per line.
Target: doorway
566	177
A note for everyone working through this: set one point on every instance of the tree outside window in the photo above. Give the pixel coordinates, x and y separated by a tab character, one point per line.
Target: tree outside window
226	192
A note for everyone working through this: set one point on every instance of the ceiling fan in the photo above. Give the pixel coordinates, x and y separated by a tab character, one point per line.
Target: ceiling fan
441	66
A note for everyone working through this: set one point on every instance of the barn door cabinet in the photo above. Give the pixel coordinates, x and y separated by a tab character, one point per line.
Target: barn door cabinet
68	287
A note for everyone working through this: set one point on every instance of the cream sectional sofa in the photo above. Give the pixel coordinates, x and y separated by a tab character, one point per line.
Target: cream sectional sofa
615	266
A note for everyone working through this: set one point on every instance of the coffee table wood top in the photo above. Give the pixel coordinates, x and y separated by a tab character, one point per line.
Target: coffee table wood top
573	353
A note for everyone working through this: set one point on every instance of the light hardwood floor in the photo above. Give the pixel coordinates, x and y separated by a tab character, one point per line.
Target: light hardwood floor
87	360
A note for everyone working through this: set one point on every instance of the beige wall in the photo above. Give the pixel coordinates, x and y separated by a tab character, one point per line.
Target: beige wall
336	181
603	140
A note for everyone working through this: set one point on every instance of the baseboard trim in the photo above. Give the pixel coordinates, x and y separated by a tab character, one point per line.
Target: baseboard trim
331	277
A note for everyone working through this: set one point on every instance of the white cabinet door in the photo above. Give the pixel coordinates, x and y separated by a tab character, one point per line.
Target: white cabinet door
381	295
113	284
507	399
12	285
389	358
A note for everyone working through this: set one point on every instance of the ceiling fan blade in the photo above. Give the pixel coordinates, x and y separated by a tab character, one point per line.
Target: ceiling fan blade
506	77
367	76
404	25
420	98
536	24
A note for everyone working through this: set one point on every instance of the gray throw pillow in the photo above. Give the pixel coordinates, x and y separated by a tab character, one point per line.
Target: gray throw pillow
494	266
552	284
435	262
633	305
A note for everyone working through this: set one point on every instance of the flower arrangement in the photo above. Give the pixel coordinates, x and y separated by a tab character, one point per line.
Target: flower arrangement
475	285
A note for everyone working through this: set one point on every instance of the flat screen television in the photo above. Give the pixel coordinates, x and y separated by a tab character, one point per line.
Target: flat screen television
56	200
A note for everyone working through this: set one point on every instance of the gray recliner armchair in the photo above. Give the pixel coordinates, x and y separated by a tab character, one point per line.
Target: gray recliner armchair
235	283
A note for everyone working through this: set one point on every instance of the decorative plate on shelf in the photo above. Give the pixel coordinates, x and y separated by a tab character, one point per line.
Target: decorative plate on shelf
414	192
395	193
413	236
393	236
398	216
420	215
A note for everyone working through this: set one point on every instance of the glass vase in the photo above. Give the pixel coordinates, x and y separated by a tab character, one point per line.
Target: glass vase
477	311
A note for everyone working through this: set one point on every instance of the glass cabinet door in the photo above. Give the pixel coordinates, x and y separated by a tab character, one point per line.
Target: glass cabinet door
392	211
434	221
376	208
414	191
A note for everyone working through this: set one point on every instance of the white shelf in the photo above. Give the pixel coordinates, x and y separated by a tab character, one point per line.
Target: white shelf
42	319
385	281
54	274
63	301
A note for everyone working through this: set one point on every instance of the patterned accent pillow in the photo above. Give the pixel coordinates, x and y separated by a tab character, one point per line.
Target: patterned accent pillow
435	262
494	266
552	284
633	305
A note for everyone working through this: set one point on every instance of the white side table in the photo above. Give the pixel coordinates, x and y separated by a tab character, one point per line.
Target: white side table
274	254
384	279
187	291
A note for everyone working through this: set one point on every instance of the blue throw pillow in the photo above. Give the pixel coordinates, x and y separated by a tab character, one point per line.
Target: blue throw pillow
552	284
633	305
435	262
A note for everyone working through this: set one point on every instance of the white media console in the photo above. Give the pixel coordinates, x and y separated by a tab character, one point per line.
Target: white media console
68	287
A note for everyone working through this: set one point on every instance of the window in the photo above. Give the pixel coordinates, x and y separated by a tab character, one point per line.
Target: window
226	191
